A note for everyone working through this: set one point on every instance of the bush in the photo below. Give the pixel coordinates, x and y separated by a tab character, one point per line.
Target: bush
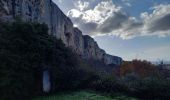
152	88
108	85
25	51
19	60
141	68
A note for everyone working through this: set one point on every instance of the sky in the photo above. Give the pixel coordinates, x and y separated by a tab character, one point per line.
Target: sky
131	29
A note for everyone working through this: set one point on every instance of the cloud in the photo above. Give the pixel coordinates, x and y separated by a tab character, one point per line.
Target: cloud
60	1
82	5
113	22
127	2
158	21
155	23
103	17
94	18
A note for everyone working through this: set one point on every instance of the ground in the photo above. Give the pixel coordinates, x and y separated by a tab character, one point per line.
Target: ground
83	95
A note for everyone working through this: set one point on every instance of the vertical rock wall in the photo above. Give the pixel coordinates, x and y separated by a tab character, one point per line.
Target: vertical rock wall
89	47
60	26
79	42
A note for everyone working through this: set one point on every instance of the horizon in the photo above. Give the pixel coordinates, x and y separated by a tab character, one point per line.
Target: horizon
131	29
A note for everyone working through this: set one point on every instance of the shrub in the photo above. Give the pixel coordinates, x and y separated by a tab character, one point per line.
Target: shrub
108	85
25	51
141	68
152	88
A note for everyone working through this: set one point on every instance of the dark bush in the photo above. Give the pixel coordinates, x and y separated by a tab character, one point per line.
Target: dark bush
108	85
152	88
26	50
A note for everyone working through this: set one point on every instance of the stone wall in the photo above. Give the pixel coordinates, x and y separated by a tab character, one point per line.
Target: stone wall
60	26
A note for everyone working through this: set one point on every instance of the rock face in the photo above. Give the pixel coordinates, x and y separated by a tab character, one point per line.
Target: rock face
79	42
92	50
109	59
60	26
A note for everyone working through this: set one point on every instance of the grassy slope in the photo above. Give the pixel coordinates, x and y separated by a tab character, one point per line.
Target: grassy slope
82	95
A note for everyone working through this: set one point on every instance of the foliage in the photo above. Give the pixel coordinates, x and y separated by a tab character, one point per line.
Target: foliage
19	59
25	51
151	88
84	95
140	68
141	80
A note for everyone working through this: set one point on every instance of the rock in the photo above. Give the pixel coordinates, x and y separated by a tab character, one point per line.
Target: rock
62	26
89	47
79	42
109	59
100	53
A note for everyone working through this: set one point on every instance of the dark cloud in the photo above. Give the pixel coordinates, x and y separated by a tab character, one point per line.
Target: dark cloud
114	22
161	24
132	25
88	27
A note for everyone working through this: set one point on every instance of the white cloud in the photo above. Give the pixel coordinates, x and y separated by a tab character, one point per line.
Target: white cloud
100	12
74	13
95	17
82	5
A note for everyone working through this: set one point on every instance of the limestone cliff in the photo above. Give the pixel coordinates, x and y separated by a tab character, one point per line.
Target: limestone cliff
79	42
60	26
92	50
109	59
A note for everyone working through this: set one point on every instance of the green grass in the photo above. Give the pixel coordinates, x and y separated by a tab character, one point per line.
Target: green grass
83	95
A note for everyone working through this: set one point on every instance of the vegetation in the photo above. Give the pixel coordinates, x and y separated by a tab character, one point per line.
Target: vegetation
26	50
141	80
138	67
84	95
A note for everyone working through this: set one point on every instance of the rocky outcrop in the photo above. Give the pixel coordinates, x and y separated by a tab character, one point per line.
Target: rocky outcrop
92	50
89	47
60	26
79	42
109	59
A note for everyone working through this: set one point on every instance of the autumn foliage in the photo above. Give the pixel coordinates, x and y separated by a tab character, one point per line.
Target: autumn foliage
138	67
